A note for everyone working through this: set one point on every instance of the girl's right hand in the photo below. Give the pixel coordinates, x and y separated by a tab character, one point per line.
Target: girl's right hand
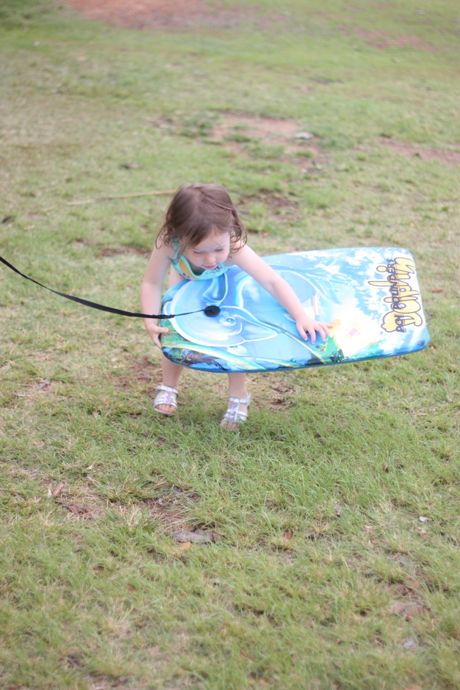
155	332
308	327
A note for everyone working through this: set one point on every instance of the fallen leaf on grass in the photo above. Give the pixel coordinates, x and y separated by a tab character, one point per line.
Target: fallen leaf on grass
76	508
278	402
130	166
409	587
73	660
44	385
304	136
54	491
410	643
198	537
407	609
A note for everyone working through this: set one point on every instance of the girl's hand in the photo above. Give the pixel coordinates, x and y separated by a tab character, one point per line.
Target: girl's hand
308	327
155	332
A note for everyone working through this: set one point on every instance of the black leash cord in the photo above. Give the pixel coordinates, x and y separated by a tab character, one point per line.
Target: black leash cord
210	310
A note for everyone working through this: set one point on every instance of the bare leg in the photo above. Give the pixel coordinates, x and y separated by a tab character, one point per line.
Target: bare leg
171	374
237	385
171	371
237	388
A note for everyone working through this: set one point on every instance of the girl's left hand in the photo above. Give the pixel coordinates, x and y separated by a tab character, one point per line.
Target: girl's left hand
308	327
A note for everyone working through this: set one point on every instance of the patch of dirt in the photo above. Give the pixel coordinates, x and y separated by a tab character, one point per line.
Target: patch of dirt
99	681
277	205
171	508
124	250
408	601
235	130
171	14
282	396
256	136
450	156
143	372
82	506
33	389
277	390
270	129
382	41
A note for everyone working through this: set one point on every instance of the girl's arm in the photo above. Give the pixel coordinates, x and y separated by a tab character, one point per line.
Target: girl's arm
250	262
151	290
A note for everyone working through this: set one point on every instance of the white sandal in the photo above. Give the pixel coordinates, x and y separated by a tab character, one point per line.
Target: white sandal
234	416
166	395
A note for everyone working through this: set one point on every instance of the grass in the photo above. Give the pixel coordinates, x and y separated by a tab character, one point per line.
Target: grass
331	560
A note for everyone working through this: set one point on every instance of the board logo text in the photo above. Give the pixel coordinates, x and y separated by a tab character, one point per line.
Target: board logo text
404	301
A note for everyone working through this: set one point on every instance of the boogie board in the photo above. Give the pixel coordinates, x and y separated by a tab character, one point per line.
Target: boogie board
369	297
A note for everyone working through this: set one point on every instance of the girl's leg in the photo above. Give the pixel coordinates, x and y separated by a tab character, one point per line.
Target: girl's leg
236	412
237	385
171	374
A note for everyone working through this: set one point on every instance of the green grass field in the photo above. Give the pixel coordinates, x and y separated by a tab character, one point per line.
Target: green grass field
324	547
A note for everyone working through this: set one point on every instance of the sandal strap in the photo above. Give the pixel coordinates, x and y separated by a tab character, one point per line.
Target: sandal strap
167	389
233	413
240	401
165	395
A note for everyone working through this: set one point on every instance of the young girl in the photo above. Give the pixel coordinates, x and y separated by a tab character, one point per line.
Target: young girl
201	237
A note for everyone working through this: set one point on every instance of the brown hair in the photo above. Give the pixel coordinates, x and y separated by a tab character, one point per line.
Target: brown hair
195	210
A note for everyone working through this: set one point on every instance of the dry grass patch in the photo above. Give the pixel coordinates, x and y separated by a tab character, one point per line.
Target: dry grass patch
80	503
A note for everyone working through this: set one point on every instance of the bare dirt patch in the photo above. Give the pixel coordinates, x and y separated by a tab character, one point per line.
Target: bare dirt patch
383	41
171	509
36	388
170	14
278	207
246	134
142	372
276	202
270	129
376	38
235	130
450	155
80	504
408	601
122	251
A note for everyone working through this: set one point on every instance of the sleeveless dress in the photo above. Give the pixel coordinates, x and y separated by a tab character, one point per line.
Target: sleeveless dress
185	270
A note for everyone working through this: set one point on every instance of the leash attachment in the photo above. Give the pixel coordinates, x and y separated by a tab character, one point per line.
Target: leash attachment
211	310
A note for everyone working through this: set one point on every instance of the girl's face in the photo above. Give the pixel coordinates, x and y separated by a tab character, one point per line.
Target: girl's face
210	252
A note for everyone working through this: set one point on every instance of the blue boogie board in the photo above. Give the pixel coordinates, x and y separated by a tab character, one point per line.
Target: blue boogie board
369	296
